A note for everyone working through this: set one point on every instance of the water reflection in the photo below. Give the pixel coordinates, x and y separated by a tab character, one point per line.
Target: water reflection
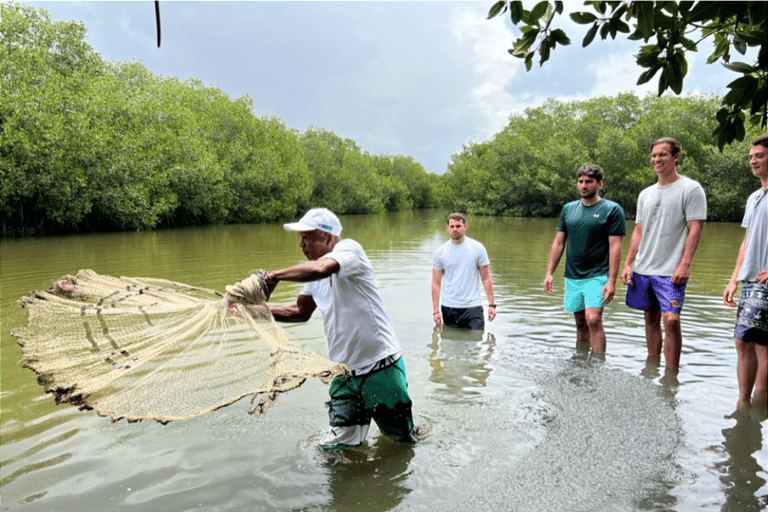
368	478
740	471
459	359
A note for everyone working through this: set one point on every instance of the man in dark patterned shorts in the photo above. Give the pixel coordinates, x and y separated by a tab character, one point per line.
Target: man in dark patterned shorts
751	332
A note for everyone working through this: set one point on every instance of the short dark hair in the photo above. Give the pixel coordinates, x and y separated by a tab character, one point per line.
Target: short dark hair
457	216
591	171
761	141
673	143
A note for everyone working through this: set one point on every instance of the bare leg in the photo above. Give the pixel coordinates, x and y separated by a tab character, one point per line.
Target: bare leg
746	370
582	329
673	340
653	333
594	318
760	396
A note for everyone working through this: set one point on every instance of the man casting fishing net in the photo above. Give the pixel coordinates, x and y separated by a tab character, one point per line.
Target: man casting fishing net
340	281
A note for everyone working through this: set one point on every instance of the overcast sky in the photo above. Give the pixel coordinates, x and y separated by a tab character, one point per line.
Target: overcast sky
397	77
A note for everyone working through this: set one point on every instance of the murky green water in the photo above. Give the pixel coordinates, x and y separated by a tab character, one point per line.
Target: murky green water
518	419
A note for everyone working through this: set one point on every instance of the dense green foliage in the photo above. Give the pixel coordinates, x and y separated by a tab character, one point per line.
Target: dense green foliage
92	145
529	168
668	30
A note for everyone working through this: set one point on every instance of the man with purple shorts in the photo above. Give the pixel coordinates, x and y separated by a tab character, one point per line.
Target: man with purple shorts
751	332
668	227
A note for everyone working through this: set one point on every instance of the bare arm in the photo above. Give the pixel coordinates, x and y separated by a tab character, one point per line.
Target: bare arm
634	246
301	311
304	272
308	271
485	275
437	280
555	253
733	284
683	271
614	261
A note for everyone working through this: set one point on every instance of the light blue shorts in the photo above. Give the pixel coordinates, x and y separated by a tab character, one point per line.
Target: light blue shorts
584	293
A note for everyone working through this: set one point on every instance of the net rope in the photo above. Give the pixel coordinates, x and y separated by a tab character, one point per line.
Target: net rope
145	348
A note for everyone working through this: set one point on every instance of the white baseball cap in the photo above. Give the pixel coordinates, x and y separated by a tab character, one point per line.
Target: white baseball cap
317	218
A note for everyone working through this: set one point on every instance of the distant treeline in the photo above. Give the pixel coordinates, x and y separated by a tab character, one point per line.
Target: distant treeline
529	168
93	145
89	145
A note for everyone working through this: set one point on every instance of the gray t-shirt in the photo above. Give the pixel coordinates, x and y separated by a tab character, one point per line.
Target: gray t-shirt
460	264
756	222
664	213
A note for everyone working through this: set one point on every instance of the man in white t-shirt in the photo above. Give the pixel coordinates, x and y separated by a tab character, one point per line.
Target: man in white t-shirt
751	331
668	227
340	282
457	268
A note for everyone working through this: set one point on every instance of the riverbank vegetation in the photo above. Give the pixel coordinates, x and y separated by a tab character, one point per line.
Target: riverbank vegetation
528	169
90	145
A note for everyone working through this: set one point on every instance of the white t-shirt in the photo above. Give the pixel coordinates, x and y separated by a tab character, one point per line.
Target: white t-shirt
461	279
756	222
356	324
664	213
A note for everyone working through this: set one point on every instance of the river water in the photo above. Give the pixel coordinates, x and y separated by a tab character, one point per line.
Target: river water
518	418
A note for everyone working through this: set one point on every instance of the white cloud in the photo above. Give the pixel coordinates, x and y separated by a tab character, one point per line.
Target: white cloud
493	69
617	73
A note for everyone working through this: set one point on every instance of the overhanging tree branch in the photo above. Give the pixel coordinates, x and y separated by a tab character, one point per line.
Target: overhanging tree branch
733	25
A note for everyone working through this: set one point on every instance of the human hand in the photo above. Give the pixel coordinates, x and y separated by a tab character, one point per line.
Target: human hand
437	318
491	313
729	292
626	275
681	274
609	290
548	284
762	277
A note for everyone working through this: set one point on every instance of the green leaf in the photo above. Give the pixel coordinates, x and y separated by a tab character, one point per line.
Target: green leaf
544	50
688	44
744	82
760	99
663	82
703	11
647	75
734	97
516	12
648	56
583	18
622	27
753	37
722	115
739	44
740	67
560	36
738	125
528	61
682	64
604	30
539	10
497	8
674	76
590	36
644	15
671	8
600	6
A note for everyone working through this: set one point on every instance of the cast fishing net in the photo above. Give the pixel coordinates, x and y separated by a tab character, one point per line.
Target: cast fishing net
139	348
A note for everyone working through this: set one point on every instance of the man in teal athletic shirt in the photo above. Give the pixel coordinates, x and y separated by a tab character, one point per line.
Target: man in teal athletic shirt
590	231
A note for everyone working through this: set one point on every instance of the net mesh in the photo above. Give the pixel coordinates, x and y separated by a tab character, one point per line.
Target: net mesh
140	348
